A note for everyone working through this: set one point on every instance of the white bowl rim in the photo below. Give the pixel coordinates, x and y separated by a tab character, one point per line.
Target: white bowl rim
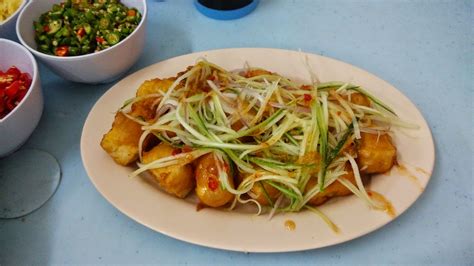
34	77
18	10
76	57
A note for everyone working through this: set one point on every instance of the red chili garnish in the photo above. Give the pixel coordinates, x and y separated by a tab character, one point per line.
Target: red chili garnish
308	97
187	149
225	167
10	104
21	95
46	28
13	87
62	50
307	87
13	72
176	151
2	108
99	39
26	79
213	184
131	13
81	32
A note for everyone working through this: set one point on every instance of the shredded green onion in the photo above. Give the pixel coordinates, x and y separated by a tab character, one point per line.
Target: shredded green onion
273	130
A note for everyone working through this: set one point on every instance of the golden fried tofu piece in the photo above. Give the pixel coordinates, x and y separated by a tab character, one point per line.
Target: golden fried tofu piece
336	189
261	191
208	186
359	99
177	180
256	72
154	86
146	109
376	153
121	142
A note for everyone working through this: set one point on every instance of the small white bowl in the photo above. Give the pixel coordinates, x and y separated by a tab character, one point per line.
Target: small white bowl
7	27
101	67
17	126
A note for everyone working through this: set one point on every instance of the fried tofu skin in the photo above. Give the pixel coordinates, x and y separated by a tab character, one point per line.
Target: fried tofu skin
176	180
121	142
376	153
336	189
146	109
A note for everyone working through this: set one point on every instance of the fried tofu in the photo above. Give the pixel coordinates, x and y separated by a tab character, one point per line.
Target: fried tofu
177	180
336	189
121	142
145	109
359	99
254	72
262	192
376	153
209	188
154	86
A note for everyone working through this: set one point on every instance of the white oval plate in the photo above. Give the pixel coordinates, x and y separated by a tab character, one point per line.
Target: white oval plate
243	231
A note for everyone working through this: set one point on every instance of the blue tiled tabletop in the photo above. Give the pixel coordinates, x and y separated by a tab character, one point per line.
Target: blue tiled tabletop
424	48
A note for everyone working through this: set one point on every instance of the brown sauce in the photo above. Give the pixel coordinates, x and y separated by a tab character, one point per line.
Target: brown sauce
290	225
421	170
405	172
389	209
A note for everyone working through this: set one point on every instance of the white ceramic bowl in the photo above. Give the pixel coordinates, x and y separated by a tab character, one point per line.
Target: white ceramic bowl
17	126
100	67
7	27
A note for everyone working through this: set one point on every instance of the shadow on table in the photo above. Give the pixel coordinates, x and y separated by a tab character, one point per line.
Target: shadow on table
28	239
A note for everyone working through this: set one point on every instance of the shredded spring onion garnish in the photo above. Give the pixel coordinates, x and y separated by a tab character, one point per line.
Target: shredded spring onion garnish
273	131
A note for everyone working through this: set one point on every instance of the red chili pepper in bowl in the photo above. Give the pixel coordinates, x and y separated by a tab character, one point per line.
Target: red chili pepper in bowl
13	87
62	50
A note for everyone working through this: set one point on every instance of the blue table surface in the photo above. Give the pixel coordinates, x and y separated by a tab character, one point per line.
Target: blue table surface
425	49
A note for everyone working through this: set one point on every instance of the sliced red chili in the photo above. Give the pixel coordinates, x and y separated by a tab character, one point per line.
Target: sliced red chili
46	28
2	108
14	72
10	104
99	39
81	32
308	97
26	78
187	149
21	95
62	50
212	183
5	80
176	151
14	86
13	89
131	13
225	167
